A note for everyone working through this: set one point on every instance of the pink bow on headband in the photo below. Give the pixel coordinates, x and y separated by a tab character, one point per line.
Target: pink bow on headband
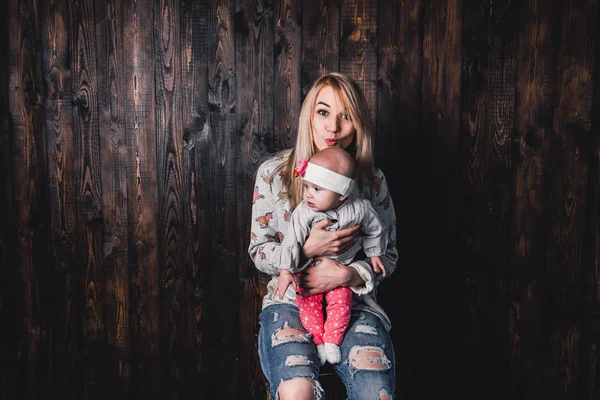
301	168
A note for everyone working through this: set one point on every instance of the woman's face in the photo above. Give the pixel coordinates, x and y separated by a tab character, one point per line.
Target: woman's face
332	127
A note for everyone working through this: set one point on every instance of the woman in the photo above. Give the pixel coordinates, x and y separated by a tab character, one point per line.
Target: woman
334	114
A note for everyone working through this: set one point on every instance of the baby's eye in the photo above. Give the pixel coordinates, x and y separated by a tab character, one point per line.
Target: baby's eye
323	112
317	189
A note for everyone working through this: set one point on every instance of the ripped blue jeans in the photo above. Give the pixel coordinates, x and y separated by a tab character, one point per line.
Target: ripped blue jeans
286	351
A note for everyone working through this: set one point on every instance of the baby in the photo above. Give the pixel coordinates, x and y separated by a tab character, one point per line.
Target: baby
328	187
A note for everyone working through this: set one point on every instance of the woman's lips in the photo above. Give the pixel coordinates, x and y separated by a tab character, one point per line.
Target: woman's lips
330	142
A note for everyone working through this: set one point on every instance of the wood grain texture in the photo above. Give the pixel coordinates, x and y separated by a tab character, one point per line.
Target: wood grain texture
591	258
320	40
476	34
174	249
222	100
536	75
195	39
147	355
66	329
10	301
358	47
32	308
441	87
90	278
287	76
569	186
489	126
113	163
254	39
476	37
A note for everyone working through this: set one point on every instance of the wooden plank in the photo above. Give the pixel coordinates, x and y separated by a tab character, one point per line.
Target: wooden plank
10	309
254	125
569	188
442	49
113	163
89	295
529	226
62	175
400	46
488	103
32	220
196	202
287	92
590	359
591	257
113	183
476	34
320	40
223	199
174	242
358	47
495	202
147	360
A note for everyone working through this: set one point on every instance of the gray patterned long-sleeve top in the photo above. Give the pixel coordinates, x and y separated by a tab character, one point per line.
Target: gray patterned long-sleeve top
271	216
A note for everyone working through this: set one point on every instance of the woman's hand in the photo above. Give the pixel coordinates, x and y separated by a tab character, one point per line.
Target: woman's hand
285	279
322	242
325	275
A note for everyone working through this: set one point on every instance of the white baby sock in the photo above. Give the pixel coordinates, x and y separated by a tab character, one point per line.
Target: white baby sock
333	353
321	353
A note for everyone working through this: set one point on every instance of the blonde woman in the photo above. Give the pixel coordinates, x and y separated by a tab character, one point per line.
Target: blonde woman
334	114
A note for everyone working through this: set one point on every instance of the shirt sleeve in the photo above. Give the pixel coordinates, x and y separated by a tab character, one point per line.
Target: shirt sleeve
294	239
374	239
265	236
384	206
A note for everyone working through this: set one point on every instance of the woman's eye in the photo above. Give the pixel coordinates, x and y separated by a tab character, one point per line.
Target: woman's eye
345	116
323	112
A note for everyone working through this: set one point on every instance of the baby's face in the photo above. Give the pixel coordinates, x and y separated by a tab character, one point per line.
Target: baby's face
319	199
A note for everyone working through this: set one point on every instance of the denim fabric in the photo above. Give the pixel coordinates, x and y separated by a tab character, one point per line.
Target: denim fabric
295	357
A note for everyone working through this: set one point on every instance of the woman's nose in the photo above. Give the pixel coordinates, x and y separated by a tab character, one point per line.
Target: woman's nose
333	124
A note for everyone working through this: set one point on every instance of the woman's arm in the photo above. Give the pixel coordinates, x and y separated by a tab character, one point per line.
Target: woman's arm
265	236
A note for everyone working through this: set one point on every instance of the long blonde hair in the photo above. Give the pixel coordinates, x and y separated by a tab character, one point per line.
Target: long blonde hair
351	97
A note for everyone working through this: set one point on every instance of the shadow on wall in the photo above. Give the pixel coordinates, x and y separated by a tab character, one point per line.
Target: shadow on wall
422	175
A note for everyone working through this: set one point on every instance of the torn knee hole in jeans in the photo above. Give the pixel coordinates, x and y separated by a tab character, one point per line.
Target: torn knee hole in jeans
317	388
370	358
286	335
297	360
384	395
367	329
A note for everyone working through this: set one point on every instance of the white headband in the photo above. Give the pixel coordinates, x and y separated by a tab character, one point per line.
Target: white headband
328	179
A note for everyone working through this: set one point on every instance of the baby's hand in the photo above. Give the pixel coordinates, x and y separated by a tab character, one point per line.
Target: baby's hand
378	266
285	279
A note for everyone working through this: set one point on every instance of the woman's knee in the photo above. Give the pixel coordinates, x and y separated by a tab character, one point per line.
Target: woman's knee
298	389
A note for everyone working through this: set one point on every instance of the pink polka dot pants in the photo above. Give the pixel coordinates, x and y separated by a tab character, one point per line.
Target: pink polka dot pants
339	305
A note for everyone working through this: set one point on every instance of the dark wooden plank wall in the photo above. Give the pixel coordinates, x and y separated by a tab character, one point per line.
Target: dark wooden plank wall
130	131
